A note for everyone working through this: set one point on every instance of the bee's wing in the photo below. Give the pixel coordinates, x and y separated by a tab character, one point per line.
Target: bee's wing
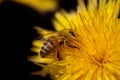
43	33
42	30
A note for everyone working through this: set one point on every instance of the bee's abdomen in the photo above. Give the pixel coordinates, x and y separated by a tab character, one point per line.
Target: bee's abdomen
46	49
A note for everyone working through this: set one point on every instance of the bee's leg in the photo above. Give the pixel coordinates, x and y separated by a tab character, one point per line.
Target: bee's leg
72	46
40	37
58	53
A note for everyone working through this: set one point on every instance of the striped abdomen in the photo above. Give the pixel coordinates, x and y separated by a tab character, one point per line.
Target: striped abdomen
48	46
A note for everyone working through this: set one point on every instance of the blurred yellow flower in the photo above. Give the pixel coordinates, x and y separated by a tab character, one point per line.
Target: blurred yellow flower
91	43
40	5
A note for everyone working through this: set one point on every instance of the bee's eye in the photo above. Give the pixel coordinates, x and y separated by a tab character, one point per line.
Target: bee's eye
72	33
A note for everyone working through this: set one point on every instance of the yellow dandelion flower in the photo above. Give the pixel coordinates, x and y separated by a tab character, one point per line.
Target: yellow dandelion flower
40	5
87	43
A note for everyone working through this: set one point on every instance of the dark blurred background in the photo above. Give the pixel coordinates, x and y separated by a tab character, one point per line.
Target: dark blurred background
17	23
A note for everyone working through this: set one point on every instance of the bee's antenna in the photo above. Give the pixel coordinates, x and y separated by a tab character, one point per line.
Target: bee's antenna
40	38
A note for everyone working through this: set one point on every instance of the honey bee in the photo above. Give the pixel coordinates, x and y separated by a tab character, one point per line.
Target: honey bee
49	46
53	42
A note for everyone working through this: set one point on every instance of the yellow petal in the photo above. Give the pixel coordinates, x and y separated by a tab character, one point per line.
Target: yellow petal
61	21
43	31
39	5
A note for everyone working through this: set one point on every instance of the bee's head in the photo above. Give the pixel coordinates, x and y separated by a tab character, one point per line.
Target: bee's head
66	34
72	33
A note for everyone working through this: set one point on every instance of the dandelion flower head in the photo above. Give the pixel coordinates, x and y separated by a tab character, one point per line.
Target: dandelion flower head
91	46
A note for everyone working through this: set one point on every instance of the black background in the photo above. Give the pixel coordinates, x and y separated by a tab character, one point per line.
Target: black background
16	25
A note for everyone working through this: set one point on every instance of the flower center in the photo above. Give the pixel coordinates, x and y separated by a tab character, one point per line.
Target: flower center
98	59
